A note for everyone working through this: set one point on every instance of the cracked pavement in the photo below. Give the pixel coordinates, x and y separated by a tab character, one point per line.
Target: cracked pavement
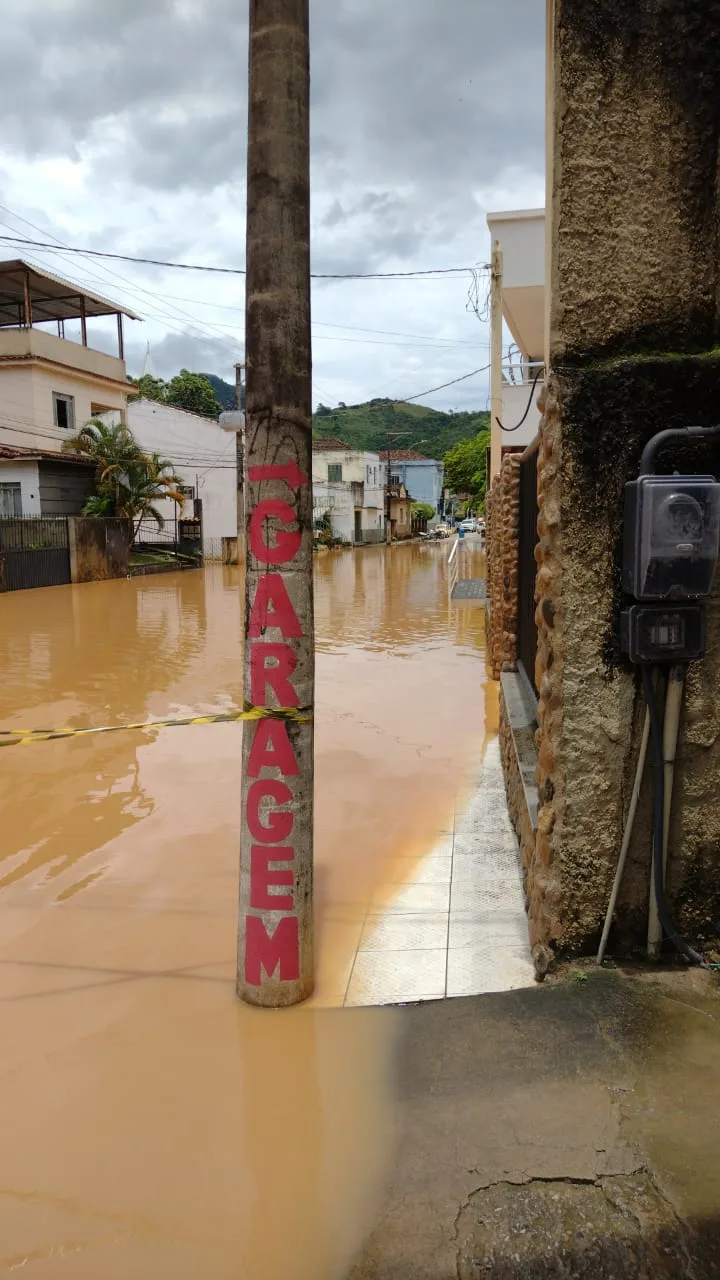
570	1131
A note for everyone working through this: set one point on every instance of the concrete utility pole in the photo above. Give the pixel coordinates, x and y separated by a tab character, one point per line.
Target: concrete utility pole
240	453
275	943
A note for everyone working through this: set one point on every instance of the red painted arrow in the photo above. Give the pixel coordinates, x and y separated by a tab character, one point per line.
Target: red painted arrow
289	471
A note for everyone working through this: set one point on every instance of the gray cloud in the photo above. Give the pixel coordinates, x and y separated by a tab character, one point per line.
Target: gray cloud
421	112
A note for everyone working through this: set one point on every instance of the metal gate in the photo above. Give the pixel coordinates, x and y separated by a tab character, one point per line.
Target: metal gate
527	567
34	551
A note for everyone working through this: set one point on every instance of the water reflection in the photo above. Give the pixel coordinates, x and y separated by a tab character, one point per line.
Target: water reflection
151	1126
86	657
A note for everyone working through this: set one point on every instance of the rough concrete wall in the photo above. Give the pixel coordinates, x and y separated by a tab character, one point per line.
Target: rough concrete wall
634	348
99	549
502	530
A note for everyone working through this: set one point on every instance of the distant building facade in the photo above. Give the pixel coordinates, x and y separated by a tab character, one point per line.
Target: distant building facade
401	505
421	476
349	484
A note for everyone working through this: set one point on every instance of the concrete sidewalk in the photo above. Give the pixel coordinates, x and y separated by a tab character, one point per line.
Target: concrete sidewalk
569	1131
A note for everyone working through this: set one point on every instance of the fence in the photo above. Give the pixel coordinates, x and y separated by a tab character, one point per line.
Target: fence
176	539
34	552
527	568
453	567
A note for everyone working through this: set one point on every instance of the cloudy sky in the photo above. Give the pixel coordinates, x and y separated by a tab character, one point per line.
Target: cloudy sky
124	130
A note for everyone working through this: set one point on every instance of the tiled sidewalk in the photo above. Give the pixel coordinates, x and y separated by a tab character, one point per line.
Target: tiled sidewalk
454	922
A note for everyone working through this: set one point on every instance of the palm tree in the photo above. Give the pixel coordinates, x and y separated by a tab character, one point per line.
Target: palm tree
128	481
112	447
150	479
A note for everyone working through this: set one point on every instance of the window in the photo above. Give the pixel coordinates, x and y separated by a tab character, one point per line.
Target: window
10	500
395	480
334	472
369	475
188	492
64	411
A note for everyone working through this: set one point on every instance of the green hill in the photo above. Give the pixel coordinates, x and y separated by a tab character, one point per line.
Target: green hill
367	426
225	391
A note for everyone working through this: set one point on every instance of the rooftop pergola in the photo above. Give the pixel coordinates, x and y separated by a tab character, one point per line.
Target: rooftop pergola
29	295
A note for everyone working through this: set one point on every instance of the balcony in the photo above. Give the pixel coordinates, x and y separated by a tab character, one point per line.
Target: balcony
37	344
520	414
521	237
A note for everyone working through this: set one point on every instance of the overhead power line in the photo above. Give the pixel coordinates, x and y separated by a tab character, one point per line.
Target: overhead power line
463	378
240	271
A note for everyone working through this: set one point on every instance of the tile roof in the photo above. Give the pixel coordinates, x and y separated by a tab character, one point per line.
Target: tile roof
9	453
320	446
404	455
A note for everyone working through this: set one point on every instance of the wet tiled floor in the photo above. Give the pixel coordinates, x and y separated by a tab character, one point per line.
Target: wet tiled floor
453	923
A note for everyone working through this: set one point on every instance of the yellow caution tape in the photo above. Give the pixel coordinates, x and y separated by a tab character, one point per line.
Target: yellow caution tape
21	737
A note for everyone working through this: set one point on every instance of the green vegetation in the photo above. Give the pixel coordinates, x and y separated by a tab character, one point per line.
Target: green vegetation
466	469
191	391
128	482
423	510
225	391
367	426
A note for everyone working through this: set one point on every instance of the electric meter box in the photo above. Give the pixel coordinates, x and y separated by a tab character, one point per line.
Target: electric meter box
663	633
672	530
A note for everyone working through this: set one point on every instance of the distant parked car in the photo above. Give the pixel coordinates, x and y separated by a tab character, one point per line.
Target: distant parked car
468	526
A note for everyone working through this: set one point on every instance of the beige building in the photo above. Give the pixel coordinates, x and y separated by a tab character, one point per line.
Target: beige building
50	385
518	305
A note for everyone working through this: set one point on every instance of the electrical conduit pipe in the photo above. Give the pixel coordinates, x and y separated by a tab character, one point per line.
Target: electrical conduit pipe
671	730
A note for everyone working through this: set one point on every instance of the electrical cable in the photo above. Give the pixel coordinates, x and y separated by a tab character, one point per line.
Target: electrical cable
656	737
241	271
629	821
518	425
463	378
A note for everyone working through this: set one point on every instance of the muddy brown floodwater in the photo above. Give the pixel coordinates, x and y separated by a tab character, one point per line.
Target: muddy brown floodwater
151	1125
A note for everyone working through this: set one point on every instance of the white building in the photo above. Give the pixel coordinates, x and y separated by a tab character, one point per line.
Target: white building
50	385
350	485
518	304
203	455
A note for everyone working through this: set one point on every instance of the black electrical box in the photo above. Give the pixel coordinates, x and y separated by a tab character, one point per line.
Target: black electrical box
663	633
672	532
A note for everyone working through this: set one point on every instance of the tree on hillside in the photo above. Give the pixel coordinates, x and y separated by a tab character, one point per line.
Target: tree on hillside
466	467
193	392
148	388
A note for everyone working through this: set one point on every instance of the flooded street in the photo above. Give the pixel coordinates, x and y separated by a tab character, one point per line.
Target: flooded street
152	1125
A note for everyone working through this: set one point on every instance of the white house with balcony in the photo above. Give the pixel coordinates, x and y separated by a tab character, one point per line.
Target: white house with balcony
50	385
517	326
350	485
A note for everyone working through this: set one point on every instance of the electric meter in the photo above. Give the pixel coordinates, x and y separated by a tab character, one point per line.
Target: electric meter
663	633
672	531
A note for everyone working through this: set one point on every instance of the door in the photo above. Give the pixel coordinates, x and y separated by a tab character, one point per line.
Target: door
358	526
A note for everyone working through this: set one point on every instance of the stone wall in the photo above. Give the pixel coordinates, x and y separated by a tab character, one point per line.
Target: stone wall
634	347
502	529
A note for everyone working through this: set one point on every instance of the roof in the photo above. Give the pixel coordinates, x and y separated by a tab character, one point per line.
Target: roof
515	215
10	454
322	446
51	297
404	455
